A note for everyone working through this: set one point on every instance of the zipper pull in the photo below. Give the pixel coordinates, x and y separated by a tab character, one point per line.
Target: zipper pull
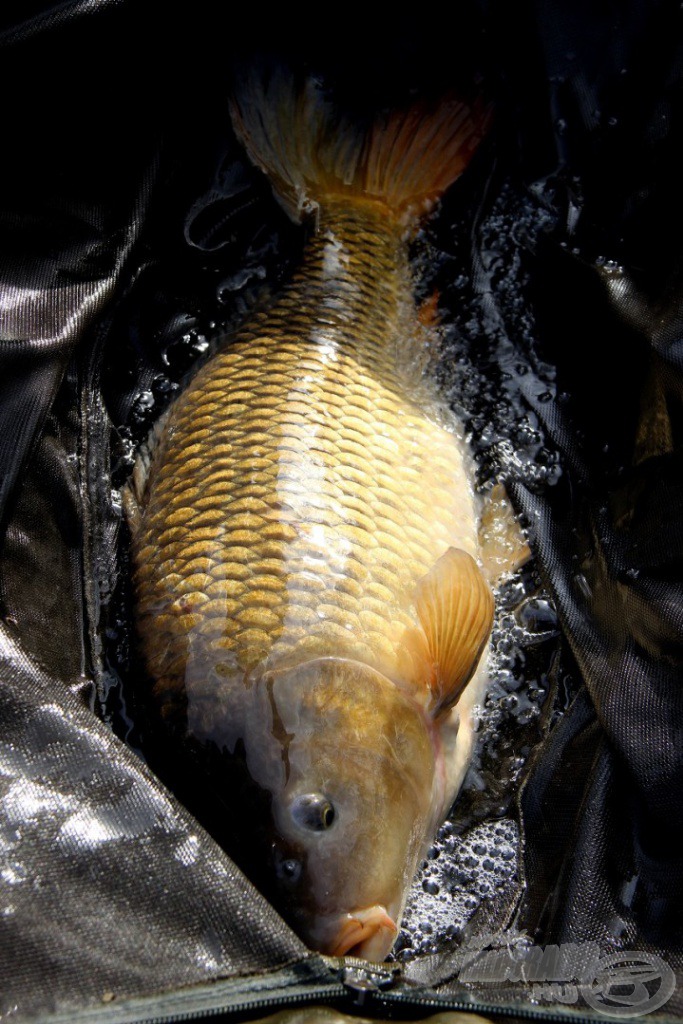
363	981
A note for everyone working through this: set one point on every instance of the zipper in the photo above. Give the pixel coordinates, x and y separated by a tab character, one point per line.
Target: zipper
521	1012
306	982
317	980
368	992
349	985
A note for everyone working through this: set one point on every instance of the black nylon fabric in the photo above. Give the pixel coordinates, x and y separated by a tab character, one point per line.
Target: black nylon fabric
109	888
130	227
609	305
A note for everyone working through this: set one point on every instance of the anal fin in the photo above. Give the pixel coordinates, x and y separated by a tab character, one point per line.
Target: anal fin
503	544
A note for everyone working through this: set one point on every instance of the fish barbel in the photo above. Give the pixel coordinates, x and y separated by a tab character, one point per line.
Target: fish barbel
305	534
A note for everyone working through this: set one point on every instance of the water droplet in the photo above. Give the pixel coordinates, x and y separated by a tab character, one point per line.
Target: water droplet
162	386
145	400
537	615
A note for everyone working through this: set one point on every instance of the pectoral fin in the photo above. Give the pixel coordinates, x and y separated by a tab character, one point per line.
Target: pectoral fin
454	607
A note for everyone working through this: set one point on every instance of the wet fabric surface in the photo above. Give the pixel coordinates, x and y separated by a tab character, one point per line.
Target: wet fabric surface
128	219
109	888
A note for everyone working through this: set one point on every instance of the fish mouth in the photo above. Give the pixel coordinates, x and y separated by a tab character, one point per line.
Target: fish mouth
368	934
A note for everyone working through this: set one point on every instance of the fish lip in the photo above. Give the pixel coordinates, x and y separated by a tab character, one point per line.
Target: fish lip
367	934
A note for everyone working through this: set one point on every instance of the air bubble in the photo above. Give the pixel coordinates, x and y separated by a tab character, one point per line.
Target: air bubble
470	871
162	387
142	406
537	616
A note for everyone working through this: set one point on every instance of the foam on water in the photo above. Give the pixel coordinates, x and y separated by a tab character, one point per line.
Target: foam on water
460	873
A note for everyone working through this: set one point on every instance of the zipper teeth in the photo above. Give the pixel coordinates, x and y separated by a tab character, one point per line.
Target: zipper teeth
374	1000
338	992
335	992
221	1004
341	992
490	1009
570	1016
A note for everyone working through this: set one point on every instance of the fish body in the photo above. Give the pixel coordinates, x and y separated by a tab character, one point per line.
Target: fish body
308	593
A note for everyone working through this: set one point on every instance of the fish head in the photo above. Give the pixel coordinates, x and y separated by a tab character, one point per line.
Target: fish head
351	765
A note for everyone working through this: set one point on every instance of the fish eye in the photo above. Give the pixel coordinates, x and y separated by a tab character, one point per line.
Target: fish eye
289	870
313	811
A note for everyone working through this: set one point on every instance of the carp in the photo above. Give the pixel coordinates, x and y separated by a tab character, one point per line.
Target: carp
311	592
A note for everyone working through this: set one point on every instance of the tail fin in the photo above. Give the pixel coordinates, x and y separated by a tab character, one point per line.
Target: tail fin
406	160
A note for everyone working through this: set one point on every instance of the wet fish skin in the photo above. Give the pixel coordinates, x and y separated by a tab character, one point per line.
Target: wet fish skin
308	597
336	728
290	508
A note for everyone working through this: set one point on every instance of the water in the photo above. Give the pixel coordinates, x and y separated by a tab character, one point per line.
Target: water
460	874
